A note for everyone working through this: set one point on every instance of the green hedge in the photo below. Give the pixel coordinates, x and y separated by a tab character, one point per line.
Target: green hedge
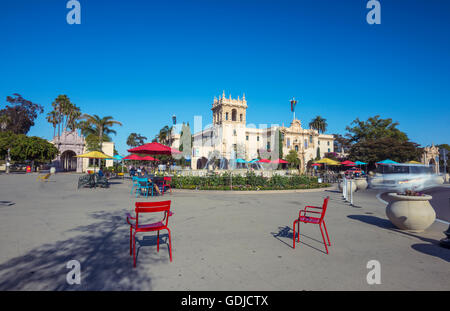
250	181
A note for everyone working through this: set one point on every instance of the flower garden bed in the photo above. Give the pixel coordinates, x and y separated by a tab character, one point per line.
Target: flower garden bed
250	181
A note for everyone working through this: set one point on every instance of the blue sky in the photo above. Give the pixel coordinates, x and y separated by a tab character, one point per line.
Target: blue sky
143	61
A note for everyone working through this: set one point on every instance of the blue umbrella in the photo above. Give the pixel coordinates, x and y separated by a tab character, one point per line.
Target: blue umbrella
387	161
360	163
240	161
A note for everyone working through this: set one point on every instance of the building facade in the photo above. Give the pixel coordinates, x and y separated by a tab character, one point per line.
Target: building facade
230	138
71	144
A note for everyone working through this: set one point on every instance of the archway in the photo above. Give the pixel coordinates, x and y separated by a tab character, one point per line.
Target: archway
201	163
68	161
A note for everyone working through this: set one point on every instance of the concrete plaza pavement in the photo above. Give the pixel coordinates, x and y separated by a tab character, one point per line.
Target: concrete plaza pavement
221	241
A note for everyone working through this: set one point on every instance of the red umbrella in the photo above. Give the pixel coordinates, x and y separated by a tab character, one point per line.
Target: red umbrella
279	161
350	163
149	158
153	148
133	157
316	164
263	161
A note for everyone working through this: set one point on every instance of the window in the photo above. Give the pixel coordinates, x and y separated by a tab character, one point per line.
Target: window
240	117
306	144
328	149
257	138
226	115
288	142
268	146
310	139
296	148
233	115
328	143
234	132
246	137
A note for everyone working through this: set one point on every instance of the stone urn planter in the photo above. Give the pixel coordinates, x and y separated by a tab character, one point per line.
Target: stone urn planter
361	183
411	213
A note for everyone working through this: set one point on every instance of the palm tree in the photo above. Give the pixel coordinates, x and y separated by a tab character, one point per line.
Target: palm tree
135	140
52	117
319	124
100	127
164	135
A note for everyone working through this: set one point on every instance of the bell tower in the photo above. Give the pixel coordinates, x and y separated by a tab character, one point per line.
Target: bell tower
228	110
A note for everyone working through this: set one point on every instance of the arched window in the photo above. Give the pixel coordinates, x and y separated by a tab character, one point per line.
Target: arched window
233	115
226	116
296	148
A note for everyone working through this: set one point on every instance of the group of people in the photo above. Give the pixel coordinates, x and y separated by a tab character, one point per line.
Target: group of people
141	172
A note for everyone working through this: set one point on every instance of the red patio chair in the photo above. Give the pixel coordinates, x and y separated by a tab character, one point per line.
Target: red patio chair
303	216
167	181
149	207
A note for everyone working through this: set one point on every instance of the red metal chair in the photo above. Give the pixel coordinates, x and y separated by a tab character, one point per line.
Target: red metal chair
303	216
167	181
149	207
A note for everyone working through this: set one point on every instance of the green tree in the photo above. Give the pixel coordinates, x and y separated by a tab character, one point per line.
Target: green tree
374	128
318	153
135	140
374	150
20	115
280	143
24	148
319	124
97	129
292	158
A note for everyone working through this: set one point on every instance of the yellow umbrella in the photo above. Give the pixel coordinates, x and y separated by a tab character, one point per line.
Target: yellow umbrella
94	155
328	161
413	162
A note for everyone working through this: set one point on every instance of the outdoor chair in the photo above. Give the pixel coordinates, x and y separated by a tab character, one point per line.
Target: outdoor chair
143	184
101	181
135	226
135	184
86	181
304	216
43	177
166	184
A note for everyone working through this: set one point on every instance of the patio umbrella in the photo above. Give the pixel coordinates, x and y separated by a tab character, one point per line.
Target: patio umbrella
328	161
316	164
279	161
154	148
240	161
134	157
348	163
413	162
264	161
149	158
94	155
360	163
387	161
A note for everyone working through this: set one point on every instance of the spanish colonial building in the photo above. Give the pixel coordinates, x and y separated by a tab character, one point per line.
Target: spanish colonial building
230	137
71	144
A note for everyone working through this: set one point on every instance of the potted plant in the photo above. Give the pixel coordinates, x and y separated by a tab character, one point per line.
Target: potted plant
411	211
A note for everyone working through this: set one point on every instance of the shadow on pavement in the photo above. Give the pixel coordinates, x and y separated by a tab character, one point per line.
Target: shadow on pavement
431	247
286	232
102	248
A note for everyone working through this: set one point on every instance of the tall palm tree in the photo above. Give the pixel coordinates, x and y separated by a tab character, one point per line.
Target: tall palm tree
100	127
164	135
52	118
135	140
319	124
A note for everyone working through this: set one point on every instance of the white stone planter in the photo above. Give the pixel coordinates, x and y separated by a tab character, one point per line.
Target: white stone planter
361	183
411	213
